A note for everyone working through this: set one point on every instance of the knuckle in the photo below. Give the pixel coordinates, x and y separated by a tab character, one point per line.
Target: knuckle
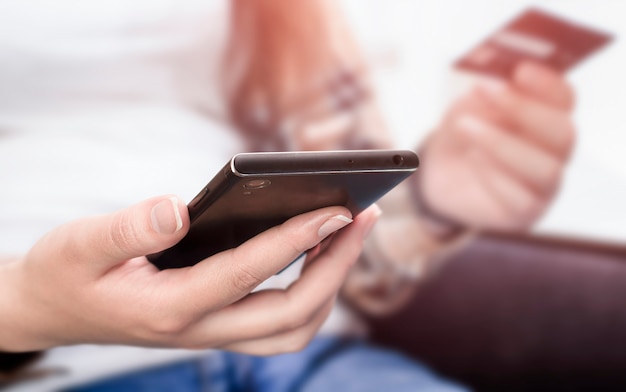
245	278
295	246
296	317
124	234
167	325
299	339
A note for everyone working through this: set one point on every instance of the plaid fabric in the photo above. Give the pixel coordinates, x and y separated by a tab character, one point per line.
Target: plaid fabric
332	107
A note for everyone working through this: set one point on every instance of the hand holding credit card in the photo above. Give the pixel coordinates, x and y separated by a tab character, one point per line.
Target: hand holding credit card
504	143
537	36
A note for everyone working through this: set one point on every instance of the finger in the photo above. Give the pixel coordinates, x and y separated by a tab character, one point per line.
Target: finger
267	313
345	249
548	128
228	276
287	342
104	241
544	84
312	254
516	206
523	161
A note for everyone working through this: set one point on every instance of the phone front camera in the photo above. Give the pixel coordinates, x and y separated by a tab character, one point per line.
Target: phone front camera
398	159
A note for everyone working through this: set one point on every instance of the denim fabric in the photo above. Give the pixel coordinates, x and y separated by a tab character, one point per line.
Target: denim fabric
327	364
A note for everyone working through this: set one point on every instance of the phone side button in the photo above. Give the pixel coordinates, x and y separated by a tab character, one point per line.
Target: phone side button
198	198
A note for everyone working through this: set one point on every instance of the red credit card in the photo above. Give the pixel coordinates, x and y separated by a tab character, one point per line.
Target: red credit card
537	36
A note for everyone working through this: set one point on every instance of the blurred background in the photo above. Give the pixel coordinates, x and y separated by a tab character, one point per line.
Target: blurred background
412	45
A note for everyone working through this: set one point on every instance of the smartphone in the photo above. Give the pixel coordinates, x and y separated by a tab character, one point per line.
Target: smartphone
256	191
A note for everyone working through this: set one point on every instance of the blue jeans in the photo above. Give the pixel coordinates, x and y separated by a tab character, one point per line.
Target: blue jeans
327	364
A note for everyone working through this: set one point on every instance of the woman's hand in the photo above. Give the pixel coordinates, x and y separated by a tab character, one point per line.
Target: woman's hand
88	282
497	158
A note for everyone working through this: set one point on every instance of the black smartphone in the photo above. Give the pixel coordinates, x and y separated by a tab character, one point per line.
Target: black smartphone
256	191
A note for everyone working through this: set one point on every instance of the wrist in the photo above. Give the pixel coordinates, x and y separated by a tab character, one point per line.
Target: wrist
400	252
407	244
18	324
438	224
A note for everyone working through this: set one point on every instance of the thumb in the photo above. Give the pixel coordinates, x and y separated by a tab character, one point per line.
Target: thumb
104	241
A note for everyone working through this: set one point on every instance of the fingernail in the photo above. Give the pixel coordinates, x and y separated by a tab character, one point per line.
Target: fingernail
333	224
166	217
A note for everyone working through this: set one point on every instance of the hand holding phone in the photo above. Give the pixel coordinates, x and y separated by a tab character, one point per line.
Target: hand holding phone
256	191
497	158
87	282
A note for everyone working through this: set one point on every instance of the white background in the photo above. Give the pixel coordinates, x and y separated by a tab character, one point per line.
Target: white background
412	44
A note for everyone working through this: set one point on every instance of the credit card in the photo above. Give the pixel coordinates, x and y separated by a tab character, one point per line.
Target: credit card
535	35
